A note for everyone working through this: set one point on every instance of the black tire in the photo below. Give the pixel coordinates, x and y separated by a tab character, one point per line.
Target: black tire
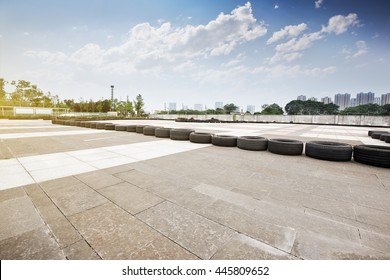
82	123
131	128
149	130
88	124
139	128
382	137
252	143
53	121
285	147
109	126
93	125
224	140
200	137
101	125
162	132
68	122
387	138
325	150
180	134
370	132
120	127
372	155
376	135
77	123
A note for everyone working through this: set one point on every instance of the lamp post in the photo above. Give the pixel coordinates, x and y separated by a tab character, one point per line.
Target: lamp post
112	98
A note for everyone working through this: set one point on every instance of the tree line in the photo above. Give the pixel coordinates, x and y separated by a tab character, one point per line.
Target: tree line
26	94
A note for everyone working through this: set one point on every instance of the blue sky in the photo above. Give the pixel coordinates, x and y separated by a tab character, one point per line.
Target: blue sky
191	52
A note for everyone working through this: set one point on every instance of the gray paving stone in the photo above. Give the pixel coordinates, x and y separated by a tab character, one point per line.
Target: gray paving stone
75	198
11	193
376	241
17	216
98	179
314	246
30	245
242	247
131	198
80	251
63	231
374	217
115	234
195	233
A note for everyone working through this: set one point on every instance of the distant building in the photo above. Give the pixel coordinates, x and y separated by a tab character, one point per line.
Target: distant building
198	107
377	100
301	97
342	100
385	99
353	102
326	100
365	98
218	105
251	109
313	99
172	106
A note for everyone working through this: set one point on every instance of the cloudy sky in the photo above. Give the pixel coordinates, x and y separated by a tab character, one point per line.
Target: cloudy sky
202	51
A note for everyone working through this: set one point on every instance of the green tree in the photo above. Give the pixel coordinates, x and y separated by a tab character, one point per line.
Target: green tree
230	108
2	90
138	105
273	109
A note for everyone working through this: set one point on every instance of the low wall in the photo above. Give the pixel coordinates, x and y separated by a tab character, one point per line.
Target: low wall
304	119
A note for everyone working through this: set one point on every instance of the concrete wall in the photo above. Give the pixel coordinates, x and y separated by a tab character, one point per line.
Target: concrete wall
309	119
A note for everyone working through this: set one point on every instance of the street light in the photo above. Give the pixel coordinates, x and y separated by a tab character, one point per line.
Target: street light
112	98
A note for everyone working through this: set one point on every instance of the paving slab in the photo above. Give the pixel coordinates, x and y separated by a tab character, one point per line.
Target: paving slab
98	179
197	234
80	251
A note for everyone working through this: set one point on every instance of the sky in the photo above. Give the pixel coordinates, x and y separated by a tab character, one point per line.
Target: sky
197	52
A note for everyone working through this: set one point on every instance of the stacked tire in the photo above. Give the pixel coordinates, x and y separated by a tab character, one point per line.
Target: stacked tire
180	134
287	147
224	140
252	143
200	137
326	150
372	155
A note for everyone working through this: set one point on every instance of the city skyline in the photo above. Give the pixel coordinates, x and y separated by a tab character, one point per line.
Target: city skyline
196	52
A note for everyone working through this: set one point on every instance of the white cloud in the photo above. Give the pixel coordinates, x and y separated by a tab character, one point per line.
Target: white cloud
26	33
292	49
276	6
153	49
339	24
361	49
48	57
318	3
289	31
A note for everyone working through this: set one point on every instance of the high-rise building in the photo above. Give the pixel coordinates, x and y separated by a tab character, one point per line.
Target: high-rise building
172	106
301	97
365	98
198	107
251	109
385	99
353	102
326	100
313	99
342	100
218	105
377	100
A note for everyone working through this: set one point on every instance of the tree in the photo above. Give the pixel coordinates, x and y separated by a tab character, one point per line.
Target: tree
309	107
138	105
2	90
273	109
230	108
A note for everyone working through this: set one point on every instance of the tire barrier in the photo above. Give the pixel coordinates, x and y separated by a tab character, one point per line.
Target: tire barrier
372	155
252	143
162	132
224	140
82	123
139	128
149	130
382	137
109	126
370	132
180	134
285	147
376	135
131	128
101	125
120	127
326	150
387	138
200	137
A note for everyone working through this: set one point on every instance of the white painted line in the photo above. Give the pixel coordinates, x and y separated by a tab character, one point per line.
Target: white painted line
28	170
54	133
